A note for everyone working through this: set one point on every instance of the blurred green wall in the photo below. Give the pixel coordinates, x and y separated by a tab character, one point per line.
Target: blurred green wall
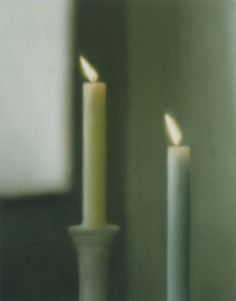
181	57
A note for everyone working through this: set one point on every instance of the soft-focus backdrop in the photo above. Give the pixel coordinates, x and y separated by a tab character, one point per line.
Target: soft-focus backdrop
182	59
35	91
156	56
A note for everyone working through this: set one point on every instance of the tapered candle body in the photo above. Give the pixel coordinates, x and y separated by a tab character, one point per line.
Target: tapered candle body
178	223
94	154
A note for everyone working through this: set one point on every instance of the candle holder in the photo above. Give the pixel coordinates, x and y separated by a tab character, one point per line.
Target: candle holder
93	247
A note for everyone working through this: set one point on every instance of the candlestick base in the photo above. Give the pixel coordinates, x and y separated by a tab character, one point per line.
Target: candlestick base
93	247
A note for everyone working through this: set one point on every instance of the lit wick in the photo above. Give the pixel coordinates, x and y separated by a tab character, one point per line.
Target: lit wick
173	130
88	70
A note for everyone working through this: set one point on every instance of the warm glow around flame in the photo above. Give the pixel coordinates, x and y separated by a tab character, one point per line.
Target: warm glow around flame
88	70
173	130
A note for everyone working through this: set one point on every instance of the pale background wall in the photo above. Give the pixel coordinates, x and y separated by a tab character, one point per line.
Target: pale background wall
35	89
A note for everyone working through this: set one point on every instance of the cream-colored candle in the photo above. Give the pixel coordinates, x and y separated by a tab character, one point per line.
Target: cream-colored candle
94	148
178	215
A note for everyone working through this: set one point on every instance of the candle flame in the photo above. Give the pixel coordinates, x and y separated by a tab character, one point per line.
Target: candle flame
173	130
88	70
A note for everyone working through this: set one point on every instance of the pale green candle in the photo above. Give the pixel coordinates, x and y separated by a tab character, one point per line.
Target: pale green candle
94	149
178	216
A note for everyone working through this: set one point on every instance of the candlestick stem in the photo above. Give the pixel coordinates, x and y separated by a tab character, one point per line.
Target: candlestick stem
93	247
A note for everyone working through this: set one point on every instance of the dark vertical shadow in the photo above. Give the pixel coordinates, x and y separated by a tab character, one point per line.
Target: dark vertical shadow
76	110
1	251
102	39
